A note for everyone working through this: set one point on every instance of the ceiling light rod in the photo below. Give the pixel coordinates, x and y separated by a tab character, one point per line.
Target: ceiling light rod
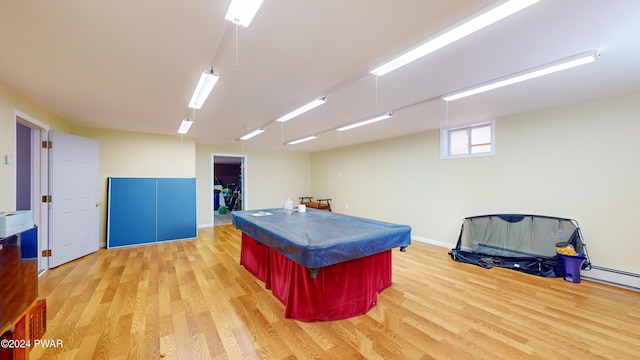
242	12
564	64
185	125
469	25
312	137
252	134
303	109
365	122
207	81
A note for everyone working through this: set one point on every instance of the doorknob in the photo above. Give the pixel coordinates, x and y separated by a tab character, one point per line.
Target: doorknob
98	203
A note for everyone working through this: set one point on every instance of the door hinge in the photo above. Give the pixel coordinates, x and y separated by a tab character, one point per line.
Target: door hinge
46	198
46	253
47	144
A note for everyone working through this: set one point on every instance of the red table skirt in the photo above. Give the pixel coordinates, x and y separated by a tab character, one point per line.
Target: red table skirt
339	291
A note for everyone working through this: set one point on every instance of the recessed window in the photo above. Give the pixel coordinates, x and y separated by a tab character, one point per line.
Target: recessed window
475	139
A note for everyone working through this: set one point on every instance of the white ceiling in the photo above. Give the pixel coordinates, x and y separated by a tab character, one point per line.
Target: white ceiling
133	65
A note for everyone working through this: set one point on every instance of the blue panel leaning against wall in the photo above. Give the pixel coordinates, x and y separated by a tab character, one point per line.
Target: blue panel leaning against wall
177	209
132	211
147	210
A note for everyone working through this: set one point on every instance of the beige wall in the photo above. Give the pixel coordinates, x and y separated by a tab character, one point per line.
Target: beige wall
10	101
130	154
578	161
270	177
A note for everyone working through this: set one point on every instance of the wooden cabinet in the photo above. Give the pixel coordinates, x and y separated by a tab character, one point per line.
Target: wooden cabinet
18	274
18	294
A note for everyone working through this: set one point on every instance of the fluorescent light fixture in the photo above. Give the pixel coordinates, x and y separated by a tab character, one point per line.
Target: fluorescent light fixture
312	137
564	64
488	16
184	127
252	134
365	122
241	12
303	109
207	81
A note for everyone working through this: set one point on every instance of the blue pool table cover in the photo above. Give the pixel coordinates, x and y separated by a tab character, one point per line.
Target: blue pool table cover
317	238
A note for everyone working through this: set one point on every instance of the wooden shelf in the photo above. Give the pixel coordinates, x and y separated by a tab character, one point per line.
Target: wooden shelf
21	331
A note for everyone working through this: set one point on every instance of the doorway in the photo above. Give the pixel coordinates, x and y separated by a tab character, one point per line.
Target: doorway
32	176
228	179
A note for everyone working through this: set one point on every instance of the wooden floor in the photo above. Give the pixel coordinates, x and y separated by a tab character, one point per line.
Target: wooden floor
192	300
224	219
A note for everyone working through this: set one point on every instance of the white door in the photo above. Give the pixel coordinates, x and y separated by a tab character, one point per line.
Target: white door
74	178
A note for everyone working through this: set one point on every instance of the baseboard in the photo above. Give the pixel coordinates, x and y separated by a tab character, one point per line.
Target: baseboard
204	226
433	242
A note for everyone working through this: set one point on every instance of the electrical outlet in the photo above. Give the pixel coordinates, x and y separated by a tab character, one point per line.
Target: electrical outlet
346	207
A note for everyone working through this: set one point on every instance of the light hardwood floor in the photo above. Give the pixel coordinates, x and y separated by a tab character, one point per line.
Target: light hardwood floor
192	300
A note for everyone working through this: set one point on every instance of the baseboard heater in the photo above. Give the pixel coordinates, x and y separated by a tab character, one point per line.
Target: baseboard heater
597	273
612	277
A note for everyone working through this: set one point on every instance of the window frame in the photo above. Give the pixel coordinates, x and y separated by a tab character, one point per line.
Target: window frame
445	146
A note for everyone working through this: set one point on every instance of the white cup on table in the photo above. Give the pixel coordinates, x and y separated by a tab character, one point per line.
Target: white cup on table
302	208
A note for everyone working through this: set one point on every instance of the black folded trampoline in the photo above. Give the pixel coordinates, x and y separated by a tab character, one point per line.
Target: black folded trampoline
525	243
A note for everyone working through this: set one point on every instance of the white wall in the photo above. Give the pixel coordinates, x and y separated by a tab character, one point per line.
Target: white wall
578	161
270	177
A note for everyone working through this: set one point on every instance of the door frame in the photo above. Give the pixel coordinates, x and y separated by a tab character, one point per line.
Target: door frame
39	180
245	180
